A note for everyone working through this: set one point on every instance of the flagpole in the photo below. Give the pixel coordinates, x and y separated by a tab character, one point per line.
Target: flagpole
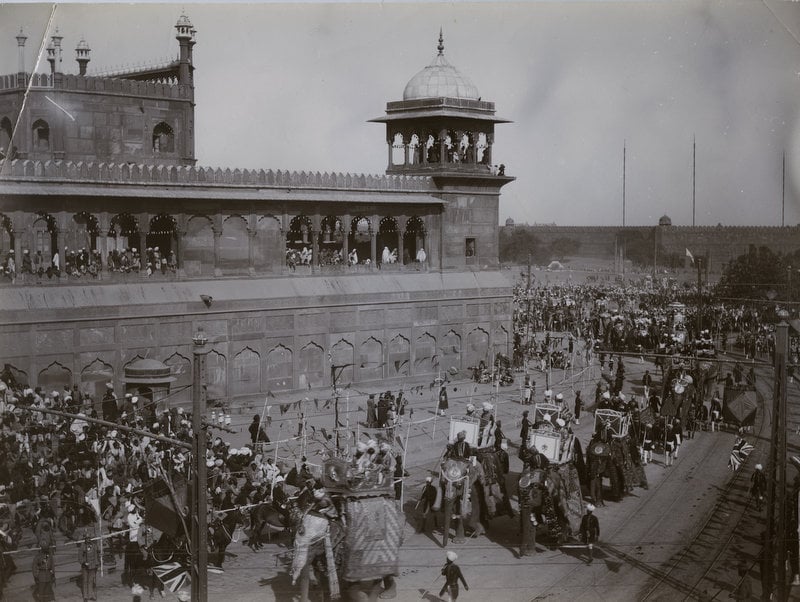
783	192
100	525
694	176
405	451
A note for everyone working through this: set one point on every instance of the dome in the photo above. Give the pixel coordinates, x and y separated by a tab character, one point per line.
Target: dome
665	221
440	79
147	371
82	45
510	222
183	21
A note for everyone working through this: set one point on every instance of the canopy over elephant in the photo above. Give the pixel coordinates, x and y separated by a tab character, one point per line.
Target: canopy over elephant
350	536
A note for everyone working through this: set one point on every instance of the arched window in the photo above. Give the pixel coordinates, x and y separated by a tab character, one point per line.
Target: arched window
86	230
6	235
398	150
163	139
94	377
478	347
198	247
6	131
361	238
45	236
387	240
331	237
267	252
298	241
162	234
125	232
311	366
216	376
413	239
41	135
234	245
55	377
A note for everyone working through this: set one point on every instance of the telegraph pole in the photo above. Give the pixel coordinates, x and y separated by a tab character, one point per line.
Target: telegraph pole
699	263
199	520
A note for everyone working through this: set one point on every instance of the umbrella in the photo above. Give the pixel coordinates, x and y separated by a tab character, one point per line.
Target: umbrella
741	449
740	408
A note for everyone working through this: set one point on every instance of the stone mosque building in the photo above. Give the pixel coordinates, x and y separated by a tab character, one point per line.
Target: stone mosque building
385	277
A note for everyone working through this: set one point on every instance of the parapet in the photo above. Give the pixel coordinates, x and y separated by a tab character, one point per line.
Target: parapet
141	173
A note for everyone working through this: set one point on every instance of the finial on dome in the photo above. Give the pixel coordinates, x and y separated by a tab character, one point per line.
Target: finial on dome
440	47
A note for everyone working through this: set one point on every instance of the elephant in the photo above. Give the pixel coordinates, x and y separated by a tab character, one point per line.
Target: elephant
619	460
543	496
356	556
460	497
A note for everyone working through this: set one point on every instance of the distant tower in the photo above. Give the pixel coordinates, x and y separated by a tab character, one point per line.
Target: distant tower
82	51
56	39
21	39
51	56
185	36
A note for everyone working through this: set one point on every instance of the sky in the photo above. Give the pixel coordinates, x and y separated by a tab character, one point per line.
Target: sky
291	86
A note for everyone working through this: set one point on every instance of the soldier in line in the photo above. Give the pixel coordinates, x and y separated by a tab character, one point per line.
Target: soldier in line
89	559
44	576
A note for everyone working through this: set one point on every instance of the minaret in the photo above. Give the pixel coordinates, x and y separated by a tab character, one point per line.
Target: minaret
82	51
185	34
56	39
21	38
51	57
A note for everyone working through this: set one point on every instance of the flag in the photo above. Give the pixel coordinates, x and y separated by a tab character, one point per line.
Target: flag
172	574
270	395
689	254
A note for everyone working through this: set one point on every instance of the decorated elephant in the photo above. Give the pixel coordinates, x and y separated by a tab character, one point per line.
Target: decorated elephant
617	459
460	497
353	550
546	496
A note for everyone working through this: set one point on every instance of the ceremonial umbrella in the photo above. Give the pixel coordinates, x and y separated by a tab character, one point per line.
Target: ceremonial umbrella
740	408
598	448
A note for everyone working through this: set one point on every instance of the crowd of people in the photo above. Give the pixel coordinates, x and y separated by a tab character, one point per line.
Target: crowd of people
88	263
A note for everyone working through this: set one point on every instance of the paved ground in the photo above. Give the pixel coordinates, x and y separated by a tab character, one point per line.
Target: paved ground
676	540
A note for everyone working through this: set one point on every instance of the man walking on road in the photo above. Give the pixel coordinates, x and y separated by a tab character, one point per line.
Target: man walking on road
452	574
590	530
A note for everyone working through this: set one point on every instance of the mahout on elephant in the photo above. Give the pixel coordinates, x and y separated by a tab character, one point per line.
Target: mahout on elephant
350	535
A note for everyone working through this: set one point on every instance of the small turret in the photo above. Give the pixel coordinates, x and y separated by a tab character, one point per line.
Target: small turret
186	38
82	51
21	39
56	39
51	56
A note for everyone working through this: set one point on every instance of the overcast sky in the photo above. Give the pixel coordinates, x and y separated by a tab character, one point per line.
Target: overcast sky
292	87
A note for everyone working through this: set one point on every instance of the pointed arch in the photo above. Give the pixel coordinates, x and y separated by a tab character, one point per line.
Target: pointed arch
44	236
501	342
414	237
268	245
280	370
94	377
246	372
163	234
370	360
163	139
342	359
426	356
181	369
398	149
216	376
198	246
55	377
6	134
399	356
85	230
450	350
6	234
40	131
14	377
124	232
311	366
477	347
360	237
234	245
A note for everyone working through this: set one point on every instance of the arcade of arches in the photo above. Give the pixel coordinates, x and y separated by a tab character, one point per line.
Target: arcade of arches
217	244
244	369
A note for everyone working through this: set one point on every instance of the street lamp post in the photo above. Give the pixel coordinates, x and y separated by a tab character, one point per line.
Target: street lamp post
199	518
